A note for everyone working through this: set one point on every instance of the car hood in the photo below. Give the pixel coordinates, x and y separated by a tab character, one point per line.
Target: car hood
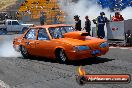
75	42
80	38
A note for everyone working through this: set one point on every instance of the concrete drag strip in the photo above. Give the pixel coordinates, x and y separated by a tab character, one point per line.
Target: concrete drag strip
16	72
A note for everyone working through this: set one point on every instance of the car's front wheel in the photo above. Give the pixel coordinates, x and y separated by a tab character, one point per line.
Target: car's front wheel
61	56
24	52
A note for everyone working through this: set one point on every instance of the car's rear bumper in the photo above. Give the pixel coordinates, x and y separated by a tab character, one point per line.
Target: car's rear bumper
72	55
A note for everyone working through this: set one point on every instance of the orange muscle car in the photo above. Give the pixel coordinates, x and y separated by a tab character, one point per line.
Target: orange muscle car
60	42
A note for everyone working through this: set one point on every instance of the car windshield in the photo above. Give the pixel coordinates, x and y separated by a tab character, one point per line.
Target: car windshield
57	32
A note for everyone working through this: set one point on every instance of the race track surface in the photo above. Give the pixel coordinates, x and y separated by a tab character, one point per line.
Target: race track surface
43	73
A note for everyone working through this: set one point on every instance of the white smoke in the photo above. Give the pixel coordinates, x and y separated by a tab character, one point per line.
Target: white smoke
6	47
90	8
127	14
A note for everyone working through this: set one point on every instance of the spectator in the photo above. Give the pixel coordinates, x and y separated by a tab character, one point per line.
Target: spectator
42	19
87	25
6	16
117	17
77	23
16	15
55	19
100	23
29	12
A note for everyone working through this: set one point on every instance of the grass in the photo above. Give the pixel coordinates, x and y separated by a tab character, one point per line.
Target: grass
6	3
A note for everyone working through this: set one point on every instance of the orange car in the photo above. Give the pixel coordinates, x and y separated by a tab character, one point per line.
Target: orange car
59	41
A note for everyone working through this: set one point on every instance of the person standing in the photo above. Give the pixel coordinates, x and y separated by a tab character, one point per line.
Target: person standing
87	25
117	17
77	23
42	19
100	23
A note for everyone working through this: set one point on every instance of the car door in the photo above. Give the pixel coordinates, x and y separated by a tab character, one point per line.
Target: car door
15	26
29	41
9	26
43	43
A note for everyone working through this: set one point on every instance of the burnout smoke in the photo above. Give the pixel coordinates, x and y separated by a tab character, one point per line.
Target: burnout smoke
127	13
90	8
6	47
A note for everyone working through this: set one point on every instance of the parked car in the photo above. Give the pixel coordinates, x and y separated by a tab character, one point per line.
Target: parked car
59	42
13	26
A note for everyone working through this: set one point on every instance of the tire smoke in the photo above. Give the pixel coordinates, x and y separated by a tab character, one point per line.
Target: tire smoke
90	8
6	46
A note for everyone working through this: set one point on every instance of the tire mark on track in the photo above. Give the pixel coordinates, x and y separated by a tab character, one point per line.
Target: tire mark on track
58	71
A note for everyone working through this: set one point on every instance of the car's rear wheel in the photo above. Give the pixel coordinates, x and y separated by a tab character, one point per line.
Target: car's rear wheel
24	52
3	31
61	56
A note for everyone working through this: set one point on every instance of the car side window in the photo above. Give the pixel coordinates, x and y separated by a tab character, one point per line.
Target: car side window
15	23
9	22
63	31
42	34
69	29
55	32
31	35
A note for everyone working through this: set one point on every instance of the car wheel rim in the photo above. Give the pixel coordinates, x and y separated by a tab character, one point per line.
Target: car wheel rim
5	32
62	56
1	32
24	51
